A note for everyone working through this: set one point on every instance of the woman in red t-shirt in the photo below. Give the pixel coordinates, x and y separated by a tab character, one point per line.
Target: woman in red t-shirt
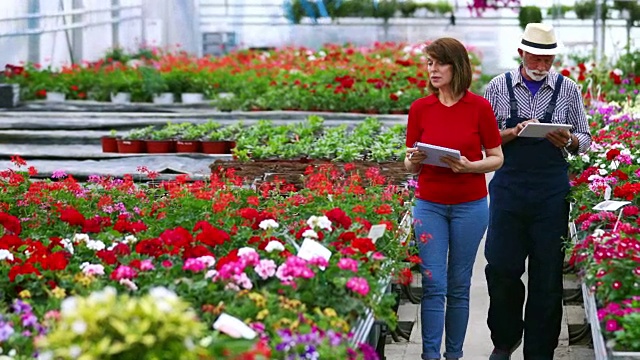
451	212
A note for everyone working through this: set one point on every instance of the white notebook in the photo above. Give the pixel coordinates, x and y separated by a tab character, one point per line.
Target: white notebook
434	153
540	130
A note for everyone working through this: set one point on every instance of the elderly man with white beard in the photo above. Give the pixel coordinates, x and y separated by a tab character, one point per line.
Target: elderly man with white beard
529	211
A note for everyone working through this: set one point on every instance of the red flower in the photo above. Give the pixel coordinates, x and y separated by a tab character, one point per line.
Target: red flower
55	261
72	216
151	247
210	235
393	97
22	269
107	256
612	154
338	216
364	245
384	209
11	223
565	72
405	277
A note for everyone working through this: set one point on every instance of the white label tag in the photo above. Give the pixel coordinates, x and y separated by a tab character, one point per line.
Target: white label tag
607	193
311	249
233	327
376	232
610	205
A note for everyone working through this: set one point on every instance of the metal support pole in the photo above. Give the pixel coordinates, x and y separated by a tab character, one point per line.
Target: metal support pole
597	31
33	55
115	27
77	34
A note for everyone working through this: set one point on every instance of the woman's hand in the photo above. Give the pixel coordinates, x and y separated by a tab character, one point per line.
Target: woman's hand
462	165
415	156
413	160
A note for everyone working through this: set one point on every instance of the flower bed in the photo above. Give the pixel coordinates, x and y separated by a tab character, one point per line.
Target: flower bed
608	257
196	269
382	78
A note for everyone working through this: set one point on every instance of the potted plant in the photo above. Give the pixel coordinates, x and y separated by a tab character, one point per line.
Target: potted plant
109	142
163	140
55	86
133	141
214	142
189	138
154	86
119	82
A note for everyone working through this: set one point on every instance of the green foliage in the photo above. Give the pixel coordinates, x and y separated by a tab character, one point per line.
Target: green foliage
110	326
529	14
408	8
558	11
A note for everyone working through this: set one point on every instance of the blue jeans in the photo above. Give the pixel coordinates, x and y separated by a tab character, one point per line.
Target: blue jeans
448	238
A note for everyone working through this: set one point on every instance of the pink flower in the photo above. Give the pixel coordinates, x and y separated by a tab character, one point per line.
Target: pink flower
243	281
616	285
377	256
265	269
319	262
294	267
146	265
167	263
612	325
348	264
358	285
123	272
194	265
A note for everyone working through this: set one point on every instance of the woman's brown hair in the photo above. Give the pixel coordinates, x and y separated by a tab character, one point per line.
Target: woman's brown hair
451	52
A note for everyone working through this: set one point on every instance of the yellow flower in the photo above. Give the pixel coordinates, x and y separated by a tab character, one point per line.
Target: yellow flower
262	314
24	294
258	299
340	324
82	279
330	312
59	293
282	323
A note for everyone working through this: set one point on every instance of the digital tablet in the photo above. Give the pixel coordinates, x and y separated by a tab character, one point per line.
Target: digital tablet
540	130
434	153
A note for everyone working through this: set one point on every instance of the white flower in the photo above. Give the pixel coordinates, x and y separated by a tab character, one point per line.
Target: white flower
75	351
273	246
322	222
162	293
598	232
80	238
68	306
602	172
310	234
130	239
208	260
6	254
79	327
68	245
268	224
129	284
245	250
92	269
311	58
103	295
96	245
210	273
585	158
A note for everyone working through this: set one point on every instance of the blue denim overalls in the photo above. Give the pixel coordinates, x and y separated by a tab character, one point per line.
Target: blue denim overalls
528	215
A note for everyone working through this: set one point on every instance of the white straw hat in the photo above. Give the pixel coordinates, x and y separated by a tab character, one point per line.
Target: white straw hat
539	39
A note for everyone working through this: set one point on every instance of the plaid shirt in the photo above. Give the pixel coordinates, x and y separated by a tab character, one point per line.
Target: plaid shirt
569	108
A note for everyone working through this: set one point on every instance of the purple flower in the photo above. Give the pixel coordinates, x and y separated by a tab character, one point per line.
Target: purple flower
29	320
20	307
58	174
5	332
622	90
